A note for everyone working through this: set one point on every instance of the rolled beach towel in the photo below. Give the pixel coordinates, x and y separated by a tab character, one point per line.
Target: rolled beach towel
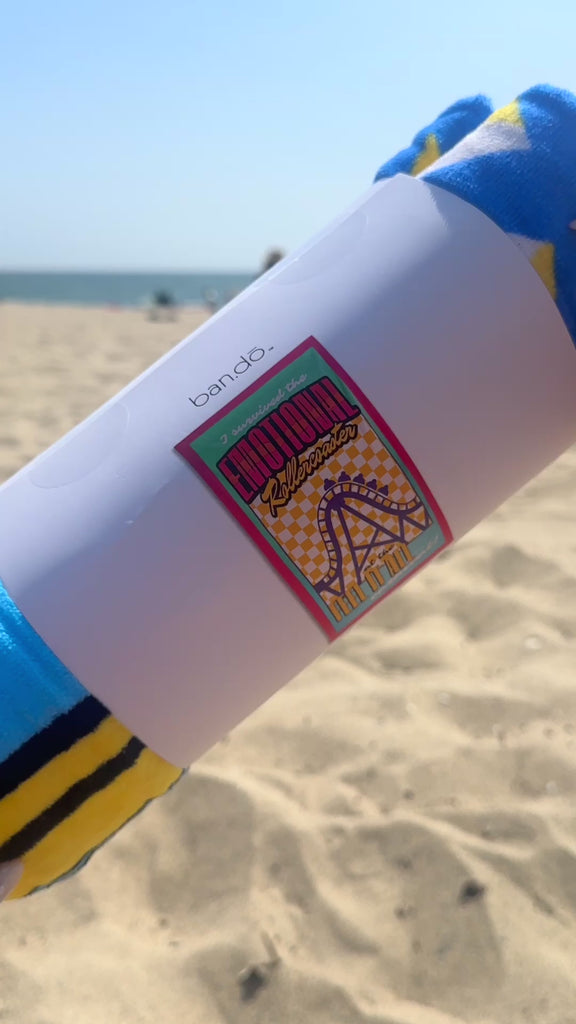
70	773
519	168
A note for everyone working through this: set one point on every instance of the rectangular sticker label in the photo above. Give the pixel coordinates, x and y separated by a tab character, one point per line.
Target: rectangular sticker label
311	470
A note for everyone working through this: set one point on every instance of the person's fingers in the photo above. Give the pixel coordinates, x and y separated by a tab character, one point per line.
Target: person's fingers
10	875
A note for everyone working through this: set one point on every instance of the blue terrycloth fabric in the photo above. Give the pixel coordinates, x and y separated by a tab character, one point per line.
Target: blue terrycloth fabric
519	168
35	687
439	137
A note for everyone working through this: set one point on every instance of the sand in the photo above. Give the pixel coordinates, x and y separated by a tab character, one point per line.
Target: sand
390	840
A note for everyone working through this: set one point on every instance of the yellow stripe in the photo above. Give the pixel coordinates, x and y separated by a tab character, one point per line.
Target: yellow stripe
428	156
47	785
96	820
507	115
543	262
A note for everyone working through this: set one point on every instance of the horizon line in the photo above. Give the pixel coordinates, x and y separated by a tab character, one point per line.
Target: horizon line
123	270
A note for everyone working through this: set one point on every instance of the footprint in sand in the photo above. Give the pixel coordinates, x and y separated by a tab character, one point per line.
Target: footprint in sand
510	566
483	616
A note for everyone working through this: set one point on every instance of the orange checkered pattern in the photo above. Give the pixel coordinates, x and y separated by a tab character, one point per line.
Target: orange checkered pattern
296	527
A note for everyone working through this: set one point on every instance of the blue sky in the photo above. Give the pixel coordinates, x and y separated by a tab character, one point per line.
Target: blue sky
160	135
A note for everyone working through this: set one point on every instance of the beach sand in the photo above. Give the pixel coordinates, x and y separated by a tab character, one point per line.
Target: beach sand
390	840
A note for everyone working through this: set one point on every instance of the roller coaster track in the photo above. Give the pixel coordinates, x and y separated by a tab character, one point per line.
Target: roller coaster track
334	508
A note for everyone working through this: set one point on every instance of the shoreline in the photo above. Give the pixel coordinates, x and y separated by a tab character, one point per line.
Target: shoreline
132	290
112	307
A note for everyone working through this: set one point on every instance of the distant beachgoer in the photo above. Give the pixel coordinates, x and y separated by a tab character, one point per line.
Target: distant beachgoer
163	306
272	257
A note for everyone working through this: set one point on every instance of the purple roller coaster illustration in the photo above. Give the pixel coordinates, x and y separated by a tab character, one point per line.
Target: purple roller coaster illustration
386	528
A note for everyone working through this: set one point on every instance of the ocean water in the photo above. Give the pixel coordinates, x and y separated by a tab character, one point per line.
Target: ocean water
119	289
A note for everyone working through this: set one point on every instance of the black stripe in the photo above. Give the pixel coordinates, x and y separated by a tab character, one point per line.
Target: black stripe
70	801
94	849
56	738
